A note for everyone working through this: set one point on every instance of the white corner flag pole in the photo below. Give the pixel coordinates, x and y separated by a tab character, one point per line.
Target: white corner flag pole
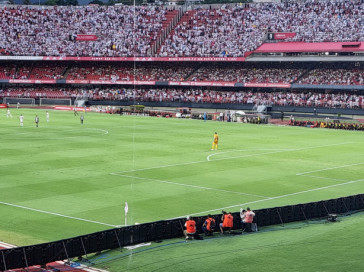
126	208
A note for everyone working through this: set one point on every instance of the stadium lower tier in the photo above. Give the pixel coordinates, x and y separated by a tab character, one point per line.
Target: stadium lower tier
271	74
190	97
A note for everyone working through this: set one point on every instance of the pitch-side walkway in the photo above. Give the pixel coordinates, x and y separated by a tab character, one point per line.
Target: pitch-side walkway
59	266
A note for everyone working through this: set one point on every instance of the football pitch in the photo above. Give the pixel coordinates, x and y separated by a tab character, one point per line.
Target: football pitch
64	179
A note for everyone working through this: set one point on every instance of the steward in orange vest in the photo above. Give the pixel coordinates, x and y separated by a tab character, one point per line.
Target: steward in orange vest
190	228
209	225
227	222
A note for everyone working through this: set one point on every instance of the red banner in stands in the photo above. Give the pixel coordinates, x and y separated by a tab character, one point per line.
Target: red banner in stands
268	85
284	35
118	82
3	106
86	37
201	83
33	81
141	59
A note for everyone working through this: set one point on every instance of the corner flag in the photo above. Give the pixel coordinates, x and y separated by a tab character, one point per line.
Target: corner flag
126	209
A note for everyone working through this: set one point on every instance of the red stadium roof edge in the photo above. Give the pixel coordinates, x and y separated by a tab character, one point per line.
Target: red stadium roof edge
287	47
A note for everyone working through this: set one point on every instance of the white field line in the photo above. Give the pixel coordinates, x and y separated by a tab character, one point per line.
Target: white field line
331	168
273	198
57	214
188	185
6	245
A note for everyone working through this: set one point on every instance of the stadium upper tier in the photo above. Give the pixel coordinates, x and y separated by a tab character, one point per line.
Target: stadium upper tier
134	31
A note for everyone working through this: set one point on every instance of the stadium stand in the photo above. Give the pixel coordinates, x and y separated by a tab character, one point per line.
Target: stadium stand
53	31
234	31
329	74
202	31
220	32
334	76
194	95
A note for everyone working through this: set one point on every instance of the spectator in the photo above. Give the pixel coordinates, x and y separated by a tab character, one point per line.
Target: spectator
242	218
249	216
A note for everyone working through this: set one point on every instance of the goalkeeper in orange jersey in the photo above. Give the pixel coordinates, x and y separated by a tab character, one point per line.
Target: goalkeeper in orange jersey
215	142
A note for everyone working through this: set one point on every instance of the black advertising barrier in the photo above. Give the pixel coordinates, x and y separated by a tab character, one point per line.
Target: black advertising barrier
41	254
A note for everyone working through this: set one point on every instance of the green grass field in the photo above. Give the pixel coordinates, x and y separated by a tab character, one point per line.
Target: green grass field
299	247
65	179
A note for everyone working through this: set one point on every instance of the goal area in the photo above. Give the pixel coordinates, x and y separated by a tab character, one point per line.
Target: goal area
21	101
55	101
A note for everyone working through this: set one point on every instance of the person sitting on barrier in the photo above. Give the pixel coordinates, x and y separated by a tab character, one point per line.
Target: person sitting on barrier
190	230
227	222
209	225
248	219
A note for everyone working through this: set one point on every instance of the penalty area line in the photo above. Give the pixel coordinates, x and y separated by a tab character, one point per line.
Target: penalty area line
58	214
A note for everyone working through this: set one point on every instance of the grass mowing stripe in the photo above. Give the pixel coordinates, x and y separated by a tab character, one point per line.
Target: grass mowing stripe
243	156
325	178
57	214
331	168
272	198
189	185
274	152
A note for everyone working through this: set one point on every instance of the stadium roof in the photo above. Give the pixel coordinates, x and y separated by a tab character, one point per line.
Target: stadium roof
285	47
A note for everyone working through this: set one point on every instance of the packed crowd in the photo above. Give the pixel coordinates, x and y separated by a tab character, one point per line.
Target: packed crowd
131	71
338	74
332	124
334	77
196	95
205	32
236	73
235	31
47	31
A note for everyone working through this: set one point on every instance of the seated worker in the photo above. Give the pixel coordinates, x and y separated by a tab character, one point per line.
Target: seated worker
190	230
227	222
209	225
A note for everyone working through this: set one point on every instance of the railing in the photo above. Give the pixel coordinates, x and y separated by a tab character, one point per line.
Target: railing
42	254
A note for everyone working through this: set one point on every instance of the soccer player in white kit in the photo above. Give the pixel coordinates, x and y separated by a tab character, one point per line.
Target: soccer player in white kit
21	119
47	116
8	114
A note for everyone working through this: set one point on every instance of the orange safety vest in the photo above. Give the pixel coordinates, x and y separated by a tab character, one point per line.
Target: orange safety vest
208	223
190	226
228	221
249	217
